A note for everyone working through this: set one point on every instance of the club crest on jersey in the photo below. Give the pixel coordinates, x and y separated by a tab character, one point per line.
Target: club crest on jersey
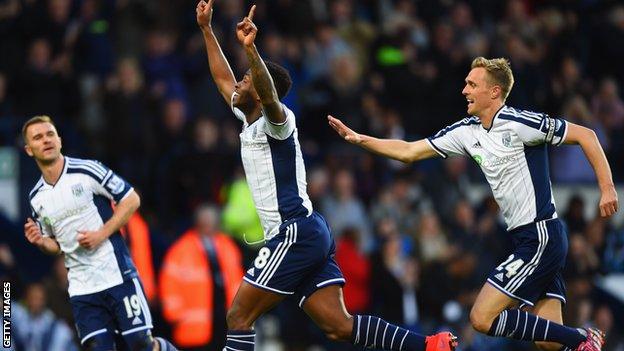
507	139
77	190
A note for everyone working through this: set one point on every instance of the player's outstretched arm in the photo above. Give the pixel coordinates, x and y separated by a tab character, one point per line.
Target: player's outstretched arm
401	150
122	213
246	32
219	66
588	141
44	243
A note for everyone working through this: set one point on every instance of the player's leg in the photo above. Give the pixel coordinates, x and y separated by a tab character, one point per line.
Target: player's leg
525	276
549	309
249	304
133	317
93	322
327	309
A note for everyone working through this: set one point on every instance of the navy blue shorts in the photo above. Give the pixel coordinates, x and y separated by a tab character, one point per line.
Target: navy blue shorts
121	309
533	271
297	261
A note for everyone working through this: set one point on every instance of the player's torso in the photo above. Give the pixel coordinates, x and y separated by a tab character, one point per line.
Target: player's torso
276	176
66	208
502	156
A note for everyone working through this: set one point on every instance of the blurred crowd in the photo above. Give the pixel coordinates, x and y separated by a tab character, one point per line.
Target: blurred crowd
127	83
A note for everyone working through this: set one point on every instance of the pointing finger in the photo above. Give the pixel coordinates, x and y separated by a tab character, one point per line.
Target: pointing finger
251	12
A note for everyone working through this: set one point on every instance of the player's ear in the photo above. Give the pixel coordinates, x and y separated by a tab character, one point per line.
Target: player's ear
28	150
495	92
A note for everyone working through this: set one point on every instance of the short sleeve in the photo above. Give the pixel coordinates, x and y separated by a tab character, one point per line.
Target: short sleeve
282	130
237	112
449	141
546	129
110	185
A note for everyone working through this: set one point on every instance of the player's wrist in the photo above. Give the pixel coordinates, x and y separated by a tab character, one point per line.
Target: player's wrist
605	187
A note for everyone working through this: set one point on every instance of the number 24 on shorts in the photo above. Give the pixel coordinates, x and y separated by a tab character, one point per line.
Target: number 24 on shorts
512	267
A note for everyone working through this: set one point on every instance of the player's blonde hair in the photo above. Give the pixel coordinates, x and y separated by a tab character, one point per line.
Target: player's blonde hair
499	71
35	120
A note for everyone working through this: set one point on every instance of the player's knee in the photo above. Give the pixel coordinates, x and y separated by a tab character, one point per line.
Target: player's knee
479	321
236	320
338	329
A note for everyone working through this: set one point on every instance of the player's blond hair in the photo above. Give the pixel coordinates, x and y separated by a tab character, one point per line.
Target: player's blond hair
499	72
35	120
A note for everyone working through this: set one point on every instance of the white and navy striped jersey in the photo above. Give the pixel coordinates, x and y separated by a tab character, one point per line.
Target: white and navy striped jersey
513	156
81	200
275	170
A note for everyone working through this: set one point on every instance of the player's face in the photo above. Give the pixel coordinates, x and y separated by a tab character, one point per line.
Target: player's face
478	91
43	142
245	91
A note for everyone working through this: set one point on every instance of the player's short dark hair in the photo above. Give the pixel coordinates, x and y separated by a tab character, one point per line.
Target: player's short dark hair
35	120
281	78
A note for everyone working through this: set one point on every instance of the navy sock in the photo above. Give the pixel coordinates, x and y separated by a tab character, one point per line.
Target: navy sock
242	340
522	325
164	344
374	332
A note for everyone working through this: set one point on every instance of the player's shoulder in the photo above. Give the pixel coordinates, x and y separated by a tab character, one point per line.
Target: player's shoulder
35	189
521	117
89	167
462	124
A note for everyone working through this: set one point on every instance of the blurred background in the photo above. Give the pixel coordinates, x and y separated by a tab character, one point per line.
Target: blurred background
127	83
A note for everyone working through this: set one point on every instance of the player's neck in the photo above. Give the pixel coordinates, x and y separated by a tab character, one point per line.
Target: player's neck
487	116
52	171
253	115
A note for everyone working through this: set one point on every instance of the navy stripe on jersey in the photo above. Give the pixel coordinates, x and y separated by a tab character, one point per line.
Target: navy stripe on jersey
94	166
126	267
284	157
537	161
36	189
513	115
86	171
464	122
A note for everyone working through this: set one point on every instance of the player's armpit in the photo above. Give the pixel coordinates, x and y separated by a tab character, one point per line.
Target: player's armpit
274	111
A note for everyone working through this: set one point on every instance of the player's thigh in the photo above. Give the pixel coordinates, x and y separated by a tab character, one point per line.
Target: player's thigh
327	309
250	303
489	304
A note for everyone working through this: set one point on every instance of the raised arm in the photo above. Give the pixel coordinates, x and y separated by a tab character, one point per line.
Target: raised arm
401	150
219	66
246	32
588	141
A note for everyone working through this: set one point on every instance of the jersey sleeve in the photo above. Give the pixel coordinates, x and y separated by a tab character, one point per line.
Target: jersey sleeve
544	129
282	130
237	112
111	185
449	141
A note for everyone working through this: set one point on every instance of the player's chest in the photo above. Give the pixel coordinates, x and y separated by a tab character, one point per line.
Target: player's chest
253	137
55	205
495	150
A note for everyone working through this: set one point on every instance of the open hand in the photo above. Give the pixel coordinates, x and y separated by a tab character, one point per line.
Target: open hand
33	232
246	30
204	13
345	132
608	202
90	239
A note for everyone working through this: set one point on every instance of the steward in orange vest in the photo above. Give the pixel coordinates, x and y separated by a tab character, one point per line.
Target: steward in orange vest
195	294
